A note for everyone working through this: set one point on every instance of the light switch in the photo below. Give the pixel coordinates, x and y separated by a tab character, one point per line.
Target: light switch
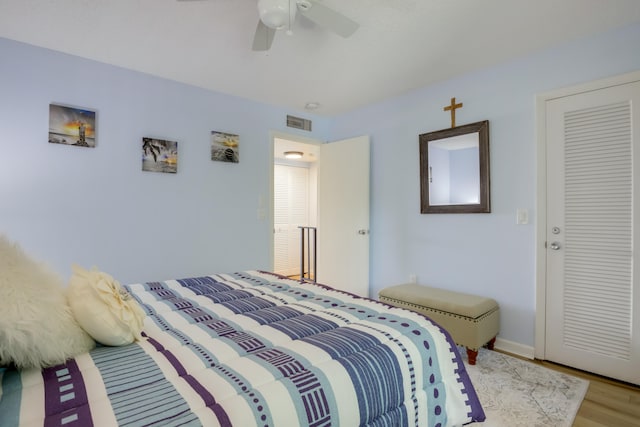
522	216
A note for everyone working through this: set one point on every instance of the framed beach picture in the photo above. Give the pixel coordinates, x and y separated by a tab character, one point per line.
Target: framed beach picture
159	155
224	147
72	126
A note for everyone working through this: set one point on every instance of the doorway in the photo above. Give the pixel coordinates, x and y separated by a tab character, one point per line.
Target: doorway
295	200
339	204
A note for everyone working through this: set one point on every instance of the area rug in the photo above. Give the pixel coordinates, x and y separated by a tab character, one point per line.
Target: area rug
515	392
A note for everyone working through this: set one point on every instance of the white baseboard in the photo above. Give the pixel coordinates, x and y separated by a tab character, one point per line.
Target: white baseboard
514	348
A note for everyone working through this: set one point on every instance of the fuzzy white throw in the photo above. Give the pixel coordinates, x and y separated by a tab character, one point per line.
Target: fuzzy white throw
37	328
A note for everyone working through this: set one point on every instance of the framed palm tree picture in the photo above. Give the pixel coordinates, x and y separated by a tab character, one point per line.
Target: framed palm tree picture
159	155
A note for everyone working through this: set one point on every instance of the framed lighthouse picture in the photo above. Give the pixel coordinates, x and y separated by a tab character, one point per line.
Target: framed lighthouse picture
72	126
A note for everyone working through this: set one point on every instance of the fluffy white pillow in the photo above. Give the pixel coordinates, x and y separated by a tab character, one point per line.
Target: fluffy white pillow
104	308
37	328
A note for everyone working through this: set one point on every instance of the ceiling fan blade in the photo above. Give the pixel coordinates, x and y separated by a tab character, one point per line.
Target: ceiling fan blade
263	38
328	18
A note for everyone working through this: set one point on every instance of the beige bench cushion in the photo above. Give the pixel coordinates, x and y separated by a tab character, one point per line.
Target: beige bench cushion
471	320
462	304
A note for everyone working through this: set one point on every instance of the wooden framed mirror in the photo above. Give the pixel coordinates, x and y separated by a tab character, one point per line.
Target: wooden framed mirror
454	170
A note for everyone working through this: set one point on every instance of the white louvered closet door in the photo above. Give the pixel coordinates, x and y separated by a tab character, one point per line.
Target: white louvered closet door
593	189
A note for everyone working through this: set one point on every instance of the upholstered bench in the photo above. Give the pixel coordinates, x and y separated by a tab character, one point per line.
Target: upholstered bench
472	321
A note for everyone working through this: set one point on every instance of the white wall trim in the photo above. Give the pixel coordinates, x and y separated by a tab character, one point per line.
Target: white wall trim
514	348
541	201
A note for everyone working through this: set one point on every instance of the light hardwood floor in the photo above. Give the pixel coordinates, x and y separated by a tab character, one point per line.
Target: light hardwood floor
608	403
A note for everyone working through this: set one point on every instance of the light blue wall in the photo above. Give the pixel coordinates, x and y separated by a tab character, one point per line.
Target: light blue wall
487	254
94	206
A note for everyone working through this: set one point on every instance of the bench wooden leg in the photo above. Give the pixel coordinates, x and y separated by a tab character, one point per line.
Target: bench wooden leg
491	343
471	355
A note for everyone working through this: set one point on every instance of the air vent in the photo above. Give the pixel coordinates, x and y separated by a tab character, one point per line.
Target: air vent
299	123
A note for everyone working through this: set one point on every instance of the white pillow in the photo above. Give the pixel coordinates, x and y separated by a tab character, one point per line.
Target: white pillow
37	328
104	308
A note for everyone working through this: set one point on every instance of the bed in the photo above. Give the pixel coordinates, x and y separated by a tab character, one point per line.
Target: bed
254	349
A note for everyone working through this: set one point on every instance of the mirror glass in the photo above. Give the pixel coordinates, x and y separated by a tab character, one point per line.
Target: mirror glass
454	170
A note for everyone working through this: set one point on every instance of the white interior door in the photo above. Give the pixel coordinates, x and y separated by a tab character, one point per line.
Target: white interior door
343	215
592	292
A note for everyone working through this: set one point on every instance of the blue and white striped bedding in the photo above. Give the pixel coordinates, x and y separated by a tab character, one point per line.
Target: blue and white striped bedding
254	349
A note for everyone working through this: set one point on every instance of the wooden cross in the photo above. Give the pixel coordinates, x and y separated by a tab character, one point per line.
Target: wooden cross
452	108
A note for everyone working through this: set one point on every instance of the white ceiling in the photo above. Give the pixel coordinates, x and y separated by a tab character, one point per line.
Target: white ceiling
401	45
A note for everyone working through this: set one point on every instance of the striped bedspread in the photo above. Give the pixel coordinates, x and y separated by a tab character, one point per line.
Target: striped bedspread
254	349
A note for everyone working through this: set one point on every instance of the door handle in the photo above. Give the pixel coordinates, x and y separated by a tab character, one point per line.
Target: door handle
554	246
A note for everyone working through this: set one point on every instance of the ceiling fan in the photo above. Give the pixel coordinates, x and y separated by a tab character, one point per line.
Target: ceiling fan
280	15
276	15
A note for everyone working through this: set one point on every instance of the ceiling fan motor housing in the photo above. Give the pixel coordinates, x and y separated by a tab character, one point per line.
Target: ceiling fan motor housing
277	14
